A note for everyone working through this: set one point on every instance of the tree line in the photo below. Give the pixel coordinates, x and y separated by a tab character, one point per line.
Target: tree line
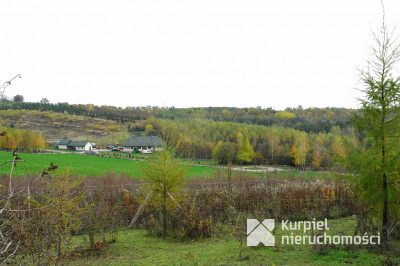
309	120
244	143
205	138
19	139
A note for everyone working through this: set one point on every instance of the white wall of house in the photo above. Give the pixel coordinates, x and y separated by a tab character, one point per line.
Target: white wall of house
130	149
88	147
62	147
127	149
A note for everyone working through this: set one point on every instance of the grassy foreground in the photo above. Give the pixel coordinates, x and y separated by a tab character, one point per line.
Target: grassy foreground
135	247
86	165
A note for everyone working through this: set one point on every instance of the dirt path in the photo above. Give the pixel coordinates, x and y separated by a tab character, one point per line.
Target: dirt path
259	169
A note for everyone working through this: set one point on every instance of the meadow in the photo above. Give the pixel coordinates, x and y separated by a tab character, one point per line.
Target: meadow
205	229
138	248
85	165
122	164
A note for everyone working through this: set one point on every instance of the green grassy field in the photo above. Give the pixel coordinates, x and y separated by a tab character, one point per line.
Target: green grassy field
86	165
135	247
152	155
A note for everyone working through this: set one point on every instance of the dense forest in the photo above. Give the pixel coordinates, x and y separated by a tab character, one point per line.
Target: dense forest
302	137
197	138
308	120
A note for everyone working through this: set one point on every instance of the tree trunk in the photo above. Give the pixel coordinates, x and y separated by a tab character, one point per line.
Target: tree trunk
91	240
385	216
59	248
165	214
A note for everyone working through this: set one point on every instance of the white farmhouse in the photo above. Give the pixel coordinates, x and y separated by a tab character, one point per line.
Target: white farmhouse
80	145
142	143
67	144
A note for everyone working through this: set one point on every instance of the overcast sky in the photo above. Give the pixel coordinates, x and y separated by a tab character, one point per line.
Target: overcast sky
189	53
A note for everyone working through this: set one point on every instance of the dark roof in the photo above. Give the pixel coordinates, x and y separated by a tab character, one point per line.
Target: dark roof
143	141
64	142
77	143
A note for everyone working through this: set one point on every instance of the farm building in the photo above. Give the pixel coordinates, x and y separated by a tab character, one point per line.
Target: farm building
67	144
63	144
142	143
80	145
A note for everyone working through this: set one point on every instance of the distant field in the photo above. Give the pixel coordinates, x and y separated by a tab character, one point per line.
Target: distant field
86	165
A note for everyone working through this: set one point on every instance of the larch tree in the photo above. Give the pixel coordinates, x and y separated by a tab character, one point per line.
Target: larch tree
246	154
239	141
376	164
338	148
60	206
165	177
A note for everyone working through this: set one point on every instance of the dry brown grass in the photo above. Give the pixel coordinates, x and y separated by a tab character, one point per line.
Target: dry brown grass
57	125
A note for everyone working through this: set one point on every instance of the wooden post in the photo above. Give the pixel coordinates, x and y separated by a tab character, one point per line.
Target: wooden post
140	210
174	200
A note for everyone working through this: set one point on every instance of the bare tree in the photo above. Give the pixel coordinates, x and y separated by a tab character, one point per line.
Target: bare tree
8	246
6	84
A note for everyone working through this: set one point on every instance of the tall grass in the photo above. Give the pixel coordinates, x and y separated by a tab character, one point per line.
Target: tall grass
206	204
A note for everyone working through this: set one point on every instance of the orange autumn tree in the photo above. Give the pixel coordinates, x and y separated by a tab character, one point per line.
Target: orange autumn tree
20	139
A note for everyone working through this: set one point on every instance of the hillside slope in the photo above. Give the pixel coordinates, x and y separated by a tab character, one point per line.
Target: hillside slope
59	125
309	120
